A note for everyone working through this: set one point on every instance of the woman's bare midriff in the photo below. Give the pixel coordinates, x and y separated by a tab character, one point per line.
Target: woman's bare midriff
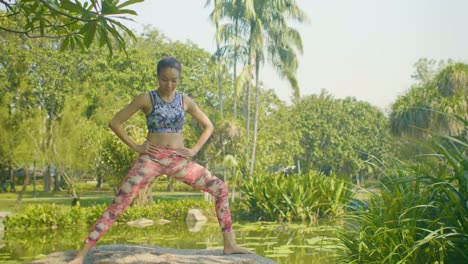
169	140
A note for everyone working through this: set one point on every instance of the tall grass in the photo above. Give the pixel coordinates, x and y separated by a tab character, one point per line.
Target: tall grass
420	214
295	197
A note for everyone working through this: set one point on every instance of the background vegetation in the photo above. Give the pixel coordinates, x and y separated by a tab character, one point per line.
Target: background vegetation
283	162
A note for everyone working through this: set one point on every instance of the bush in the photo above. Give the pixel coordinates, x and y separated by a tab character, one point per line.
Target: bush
52	216
161	186
420	215
295	197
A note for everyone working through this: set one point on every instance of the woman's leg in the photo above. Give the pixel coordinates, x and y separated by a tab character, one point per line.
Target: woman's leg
199	177
140	174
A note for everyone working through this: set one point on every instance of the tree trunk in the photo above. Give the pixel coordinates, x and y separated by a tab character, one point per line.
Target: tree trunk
99	180
220	88
145	196
170	186
236	35
46	180
25	183
234	84
12	179
255	128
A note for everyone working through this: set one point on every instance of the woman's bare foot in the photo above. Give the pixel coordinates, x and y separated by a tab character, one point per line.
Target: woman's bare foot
230	245
79	259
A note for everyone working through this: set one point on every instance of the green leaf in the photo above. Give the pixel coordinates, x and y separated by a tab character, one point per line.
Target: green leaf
127	30
127	11
129	2
65	43
89	33
109	8
70	6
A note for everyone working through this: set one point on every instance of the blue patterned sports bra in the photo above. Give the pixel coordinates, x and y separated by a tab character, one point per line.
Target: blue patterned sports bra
166	117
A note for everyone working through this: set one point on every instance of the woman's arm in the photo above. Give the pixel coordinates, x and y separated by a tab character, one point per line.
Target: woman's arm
203	120
116	124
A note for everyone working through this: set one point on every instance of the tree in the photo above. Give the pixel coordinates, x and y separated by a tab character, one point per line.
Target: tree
232	33
77	23
340	136
16	105
269	30
263	25
426	69
425	105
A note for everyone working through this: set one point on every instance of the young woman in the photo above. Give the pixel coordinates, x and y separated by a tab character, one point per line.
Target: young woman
164	153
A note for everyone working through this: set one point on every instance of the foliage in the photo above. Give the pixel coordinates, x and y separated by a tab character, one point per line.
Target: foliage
54	103
52	216
423	107
421	215
78	23
73	152
279	143
340	136
253	31
295	197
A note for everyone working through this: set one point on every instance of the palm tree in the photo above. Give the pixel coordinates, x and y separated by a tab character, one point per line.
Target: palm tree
234	34
269	30
263	25
215	18
230	33
425	107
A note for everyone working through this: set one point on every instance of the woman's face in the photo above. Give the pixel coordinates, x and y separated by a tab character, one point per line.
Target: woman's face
167	79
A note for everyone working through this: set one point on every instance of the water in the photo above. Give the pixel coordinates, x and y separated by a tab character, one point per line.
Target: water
284	243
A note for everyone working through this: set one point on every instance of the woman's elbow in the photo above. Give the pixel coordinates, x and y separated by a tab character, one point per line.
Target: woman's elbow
113	124
210	127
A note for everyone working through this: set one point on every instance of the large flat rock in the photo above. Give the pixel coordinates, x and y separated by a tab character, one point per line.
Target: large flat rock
121	254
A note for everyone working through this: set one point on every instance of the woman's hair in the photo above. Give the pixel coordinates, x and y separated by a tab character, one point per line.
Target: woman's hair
168	62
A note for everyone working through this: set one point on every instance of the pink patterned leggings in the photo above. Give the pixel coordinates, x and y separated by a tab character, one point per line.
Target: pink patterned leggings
165	161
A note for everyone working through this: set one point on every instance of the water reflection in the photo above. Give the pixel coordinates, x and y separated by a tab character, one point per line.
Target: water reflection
286	244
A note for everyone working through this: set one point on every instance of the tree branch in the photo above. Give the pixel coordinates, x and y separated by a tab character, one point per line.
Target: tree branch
50	37
26	33
12	14
7	4
66	14
13	30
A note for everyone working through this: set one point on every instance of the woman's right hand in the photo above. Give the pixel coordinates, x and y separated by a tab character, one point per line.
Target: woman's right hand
145	148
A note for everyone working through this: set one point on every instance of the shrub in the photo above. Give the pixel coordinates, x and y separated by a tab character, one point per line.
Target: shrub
51	215
295	197
420	215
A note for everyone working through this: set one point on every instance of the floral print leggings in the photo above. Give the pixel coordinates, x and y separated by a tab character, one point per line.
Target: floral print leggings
165	161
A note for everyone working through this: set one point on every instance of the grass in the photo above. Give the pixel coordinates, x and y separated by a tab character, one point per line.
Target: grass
420	214
87	198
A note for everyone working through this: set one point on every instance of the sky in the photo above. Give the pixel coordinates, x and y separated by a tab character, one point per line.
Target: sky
360	48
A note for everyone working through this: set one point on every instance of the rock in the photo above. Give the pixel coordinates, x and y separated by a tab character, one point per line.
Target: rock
130	254
195	215
142	222
3	215
163	221
195	226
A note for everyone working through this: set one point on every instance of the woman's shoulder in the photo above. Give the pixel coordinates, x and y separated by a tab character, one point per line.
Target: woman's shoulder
144	95
143	99
186	98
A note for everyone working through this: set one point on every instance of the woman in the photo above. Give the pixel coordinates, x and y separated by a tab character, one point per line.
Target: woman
164	153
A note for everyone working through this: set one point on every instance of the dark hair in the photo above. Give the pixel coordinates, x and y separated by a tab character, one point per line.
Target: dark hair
168	62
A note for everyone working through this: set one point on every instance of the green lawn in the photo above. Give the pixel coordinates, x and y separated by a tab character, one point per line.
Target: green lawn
87	198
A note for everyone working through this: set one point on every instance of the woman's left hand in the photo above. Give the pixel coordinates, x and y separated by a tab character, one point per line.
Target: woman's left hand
186	152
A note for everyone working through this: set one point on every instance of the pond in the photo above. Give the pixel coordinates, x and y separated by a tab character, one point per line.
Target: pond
284	243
